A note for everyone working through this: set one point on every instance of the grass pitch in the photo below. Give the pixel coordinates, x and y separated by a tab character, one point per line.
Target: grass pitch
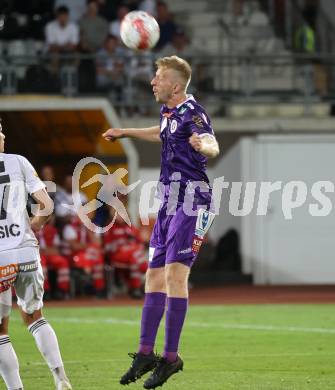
261	347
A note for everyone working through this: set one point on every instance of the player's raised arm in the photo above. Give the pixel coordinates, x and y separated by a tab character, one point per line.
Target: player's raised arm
147	134
205	144
45	209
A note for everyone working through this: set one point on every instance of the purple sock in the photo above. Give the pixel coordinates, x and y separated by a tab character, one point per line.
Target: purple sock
152	313
175	316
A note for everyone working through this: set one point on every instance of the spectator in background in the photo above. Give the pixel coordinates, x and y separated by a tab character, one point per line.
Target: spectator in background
179	45
166	25
125	250
62	36
83	250
304	39
108	9
237	7
76	8
62	39
110	67
52	260
64	200
148	6
114	28
47	174
93	28
257	17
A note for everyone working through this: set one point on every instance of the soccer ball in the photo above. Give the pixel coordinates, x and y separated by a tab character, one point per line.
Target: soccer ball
139	30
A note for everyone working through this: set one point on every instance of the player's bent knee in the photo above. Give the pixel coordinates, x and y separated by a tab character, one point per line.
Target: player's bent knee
155	280
176	277
4	326
177	273
30	318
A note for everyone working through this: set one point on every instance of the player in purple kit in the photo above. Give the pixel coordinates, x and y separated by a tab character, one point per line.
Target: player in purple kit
183	219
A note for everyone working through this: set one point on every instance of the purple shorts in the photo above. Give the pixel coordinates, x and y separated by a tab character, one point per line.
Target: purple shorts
178	237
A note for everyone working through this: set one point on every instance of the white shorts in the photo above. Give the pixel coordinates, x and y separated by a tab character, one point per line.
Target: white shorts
21	268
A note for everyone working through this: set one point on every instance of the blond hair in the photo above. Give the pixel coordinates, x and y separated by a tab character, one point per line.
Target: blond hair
178	64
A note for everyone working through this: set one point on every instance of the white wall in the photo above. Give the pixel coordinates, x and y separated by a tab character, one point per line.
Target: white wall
230	166
274	249
299	250
235	166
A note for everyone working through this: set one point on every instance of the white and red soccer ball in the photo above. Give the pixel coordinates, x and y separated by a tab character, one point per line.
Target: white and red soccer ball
139	30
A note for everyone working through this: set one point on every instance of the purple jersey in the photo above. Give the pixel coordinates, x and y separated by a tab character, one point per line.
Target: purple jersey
177	125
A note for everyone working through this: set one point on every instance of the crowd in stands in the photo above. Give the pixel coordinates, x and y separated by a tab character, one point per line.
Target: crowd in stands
59	30
76	261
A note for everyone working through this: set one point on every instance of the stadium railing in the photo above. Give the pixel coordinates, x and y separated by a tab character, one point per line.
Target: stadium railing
244	78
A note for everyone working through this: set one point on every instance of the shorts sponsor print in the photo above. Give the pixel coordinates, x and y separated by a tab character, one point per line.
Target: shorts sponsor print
178	238
8	274
20	268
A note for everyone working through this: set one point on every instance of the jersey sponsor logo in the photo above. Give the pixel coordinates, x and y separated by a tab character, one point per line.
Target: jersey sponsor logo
173	126
184	251
204	222
198	121
8	231
196	245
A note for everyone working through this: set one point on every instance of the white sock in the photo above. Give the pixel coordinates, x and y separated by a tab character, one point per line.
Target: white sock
9	365
46	341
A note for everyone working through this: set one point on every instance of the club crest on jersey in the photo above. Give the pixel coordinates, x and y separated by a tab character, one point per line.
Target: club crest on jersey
204	222
198	121
182	110
173	126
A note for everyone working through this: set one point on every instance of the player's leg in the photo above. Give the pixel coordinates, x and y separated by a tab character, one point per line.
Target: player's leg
154	304
47	343
181	253
44	264
29	291
176	276
153	310
9	365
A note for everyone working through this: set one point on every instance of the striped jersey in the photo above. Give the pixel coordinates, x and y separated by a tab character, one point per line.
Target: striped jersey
18	179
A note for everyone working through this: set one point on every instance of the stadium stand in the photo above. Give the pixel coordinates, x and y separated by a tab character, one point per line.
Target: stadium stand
237	43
